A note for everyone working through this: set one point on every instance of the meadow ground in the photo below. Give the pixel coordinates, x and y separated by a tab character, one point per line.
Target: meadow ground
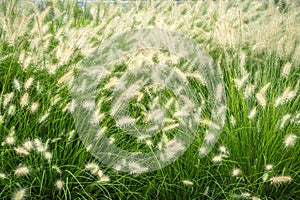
255	46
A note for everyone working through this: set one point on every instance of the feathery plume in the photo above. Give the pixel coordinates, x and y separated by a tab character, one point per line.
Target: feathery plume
290	140
277	180
11	109
210	123
20	194
265	177
236	172
252	113
44	117
232	120
240	82
47	155
39	146
260	95
125	121
210	138
28	83
284	119
261	100
7	98
249	90
136	168
22	171
28	145
264	89
269	167
57	169
10	139
92	167
172	148
187	182
24	100
170	127
66	78
34	107
223	150
286	69
286	96
2	175
219	91
203	151
59	184
217	158
21	151
17	84
103	179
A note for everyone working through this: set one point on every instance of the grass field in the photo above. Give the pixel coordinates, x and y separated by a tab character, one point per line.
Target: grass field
254	44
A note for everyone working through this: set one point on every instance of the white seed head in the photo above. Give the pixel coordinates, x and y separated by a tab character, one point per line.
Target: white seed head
210	138
7	98
39	146
125	121
104	179
280	180
236	172
43	117
22	171
246	195
287	95
2	175
265	177
57	169
210	123
170	127
100	173
21	151
66	78
252	113
24	100
232	120
92	167
34	107
255	198
269	167
203	151
28	83
223	149
20	194
286	69
217	158
11	110
10	140
187	182
240	82
283	121
173	148
59	184
249	90
47	155
264	88
136	168
28	145
290	140
17	84
261	99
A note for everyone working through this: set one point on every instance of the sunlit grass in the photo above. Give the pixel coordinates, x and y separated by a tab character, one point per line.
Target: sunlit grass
256	45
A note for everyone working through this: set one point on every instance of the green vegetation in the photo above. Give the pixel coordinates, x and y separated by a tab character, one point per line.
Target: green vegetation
256	46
